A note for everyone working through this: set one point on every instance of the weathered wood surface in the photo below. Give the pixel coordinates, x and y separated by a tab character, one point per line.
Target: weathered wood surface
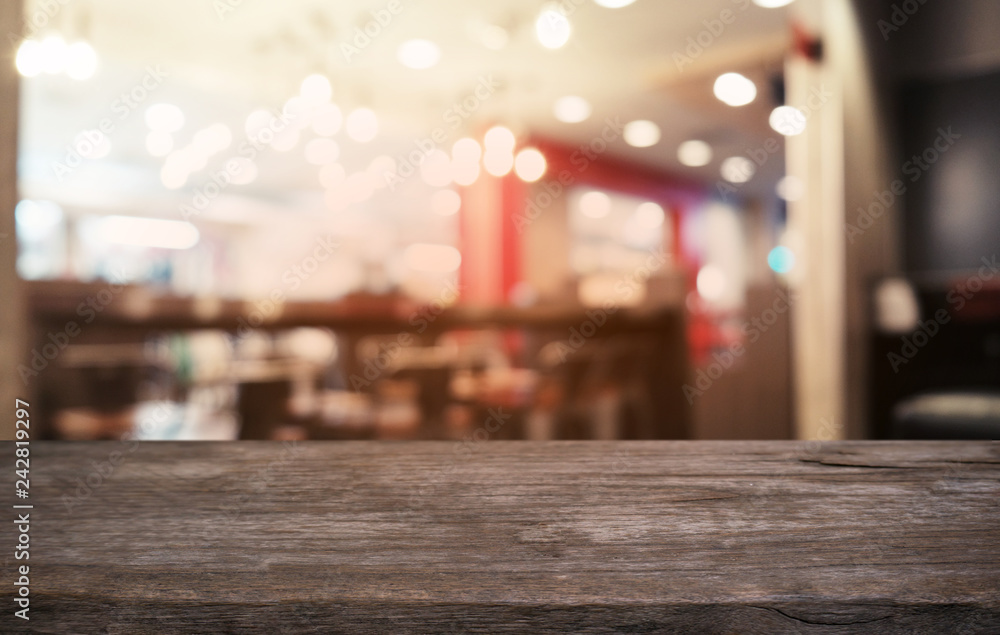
686	537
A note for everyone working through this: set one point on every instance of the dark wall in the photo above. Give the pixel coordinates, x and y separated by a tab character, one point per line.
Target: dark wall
952	202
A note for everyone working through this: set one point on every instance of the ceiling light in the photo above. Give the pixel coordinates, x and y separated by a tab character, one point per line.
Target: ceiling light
641	133
446	202
167	117
465	173
36	219
499	139
530	165
552	28
148	232
159	143
362	125
595	204
787	120
771	4
649	215
571	109
694	153
418	54
613	4
316	89
737	169
52	54
734	89
29	58
80	61
432	258
781	259
711	282
499	162
790	188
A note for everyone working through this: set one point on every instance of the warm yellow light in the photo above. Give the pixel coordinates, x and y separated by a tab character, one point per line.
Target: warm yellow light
530	164
595	204
552	28
499	139
418	54
734	89
498	163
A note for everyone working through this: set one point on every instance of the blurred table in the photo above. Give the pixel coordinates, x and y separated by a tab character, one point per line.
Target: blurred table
696	537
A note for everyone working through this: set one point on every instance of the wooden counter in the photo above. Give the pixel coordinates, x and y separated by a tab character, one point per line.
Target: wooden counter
687	537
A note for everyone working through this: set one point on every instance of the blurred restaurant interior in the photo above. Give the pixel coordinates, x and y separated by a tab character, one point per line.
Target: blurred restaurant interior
583	219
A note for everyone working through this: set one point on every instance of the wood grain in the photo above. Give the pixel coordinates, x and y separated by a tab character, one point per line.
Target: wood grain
582	537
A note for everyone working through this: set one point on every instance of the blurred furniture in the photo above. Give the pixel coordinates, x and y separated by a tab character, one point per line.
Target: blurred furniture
921	375
681	537
955	415
646	348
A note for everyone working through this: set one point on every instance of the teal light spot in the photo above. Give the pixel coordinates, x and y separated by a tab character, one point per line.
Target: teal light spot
781	259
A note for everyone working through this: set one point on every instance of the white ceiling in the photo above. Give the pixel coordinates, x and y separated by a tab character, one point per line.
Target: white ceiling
222	68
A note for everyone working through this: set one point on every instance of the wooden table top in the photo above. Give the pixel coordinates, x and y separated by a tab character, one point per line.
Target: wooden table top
657	536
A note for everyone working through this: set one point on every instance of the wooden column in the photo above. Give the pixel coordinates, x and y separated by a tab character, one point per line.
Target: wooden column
13	317
481	276
842	160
